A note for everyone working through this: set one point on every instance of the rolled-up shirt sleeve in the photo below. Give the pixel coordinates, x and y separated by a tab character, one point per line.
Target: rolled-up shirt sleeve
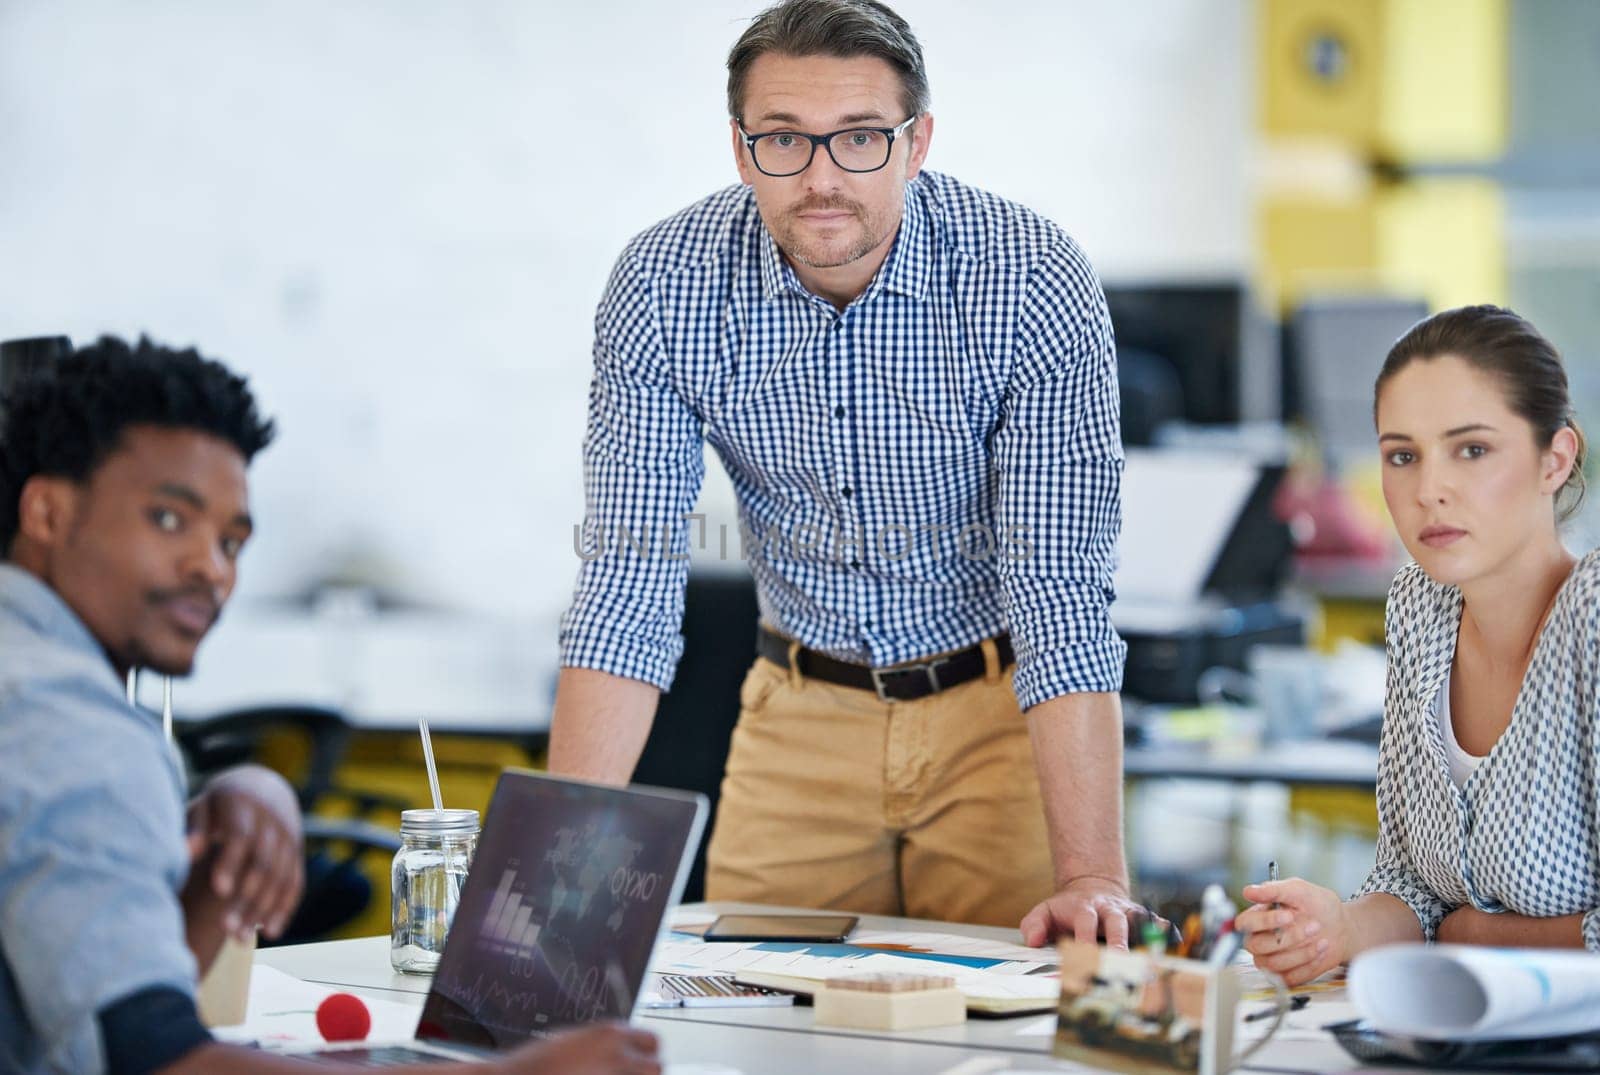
643	462
1393	874
1058	458
1591	930
93	856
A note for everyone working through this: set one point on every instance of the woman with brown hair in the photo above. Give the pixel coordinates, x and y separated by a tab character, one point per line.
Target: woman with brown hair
1487	772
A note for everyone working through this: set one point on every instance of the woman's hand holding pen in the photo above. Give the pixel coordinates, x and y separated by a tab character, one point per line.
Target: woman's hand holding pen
1296	929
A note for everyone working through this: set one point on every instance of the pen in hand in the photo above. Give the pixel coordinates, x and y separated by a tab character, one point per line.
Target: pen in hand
1272	875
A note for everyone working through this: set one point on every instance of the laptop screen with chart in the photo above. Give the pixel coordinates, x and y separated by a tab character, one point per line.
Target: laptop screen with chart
567	893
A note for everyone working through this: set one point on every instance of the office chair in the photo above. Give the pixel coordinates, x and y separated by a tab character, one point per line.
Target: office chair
688	744
337	888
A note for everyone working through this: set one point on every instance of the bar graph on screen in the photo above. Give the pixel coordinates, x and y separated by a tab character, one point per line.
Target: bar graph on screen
507	927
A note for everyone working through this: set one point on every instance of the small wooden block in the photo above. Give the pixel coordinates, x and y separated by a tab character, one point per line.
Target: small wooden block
889	1002
891	983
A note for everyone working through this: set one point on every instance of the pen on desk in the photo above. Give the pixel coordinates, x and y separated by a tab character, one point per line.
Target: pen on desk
1272	875
1296	1002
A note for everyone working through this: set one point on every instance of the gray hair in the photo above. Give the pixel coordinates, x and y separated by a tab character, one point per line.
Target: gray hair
842	28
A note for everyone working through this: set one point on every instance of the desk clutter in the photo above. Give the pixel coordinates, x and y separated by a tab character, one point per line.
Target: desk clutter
991	978
708	991
931	992
283	1010
1470	1007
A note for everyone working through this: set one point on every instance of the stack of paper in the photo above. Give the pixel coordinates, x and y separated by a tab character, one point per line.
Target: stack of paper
991	985
986	992
1459	993
954	944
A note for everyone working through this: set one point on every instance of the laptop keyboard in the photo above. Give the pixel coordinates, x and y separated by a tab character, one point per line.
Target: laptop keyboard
387	1056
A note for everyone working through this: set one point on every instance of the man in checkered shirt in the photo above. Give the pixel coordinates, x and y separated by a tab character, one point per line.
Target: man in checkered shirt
912	385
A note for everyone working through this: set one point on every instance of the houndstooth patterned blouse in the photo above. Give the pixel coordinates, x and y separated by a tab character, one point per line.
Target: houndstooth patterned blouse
1522	835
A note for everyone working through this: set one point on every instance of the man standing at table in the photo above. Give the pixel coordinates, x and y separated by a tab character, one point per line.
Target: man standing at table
912	385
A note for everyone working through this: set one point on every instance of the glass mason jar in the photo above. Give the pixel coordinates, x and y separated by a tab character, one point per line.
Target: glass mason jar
430	868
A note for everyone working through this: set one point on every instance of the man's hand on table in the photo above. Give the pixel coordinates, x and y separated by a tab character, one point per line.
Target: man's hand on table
1087	909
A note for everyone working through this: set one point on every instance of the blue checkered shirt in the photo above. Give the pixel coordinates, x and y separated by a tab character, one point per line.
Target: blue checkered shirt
937	463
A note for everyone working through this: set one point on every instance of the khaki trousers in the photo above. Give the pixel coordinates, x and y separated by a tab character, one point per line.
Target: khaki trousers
927	809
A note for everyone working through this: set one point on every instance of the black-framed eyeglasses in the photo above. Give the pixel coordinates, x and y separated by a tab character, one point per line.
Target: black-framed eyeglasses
854	149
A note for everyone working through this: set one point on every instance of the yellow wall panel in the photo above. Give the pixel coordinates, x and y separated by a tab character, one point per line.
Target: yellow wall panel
1409	81
1315	245
1444	94
1444	238
1320	67
1439	237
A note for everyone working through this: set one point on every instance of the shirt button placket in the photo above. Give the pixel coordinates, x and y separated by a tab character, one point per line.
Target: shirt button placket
1466	847
844	457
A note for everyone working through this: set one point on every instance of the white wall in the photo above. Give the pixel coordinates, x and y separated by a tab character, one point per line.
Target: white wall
396	217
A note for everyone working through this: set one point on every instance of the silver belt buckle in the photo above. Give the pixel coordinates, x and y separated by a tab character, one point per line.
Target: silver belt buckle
927	668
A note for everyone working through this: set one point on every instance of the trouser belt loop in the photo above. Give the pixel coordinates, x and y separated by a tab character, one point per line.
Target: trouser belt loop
991	660
796	680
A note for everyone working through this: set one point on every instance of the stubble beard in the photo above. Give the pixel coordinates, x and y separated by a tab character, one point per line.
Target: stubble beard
827	254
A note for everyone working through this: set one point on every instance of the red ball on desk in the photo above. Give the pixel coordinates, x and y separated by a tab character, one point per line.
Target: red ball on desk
343	1017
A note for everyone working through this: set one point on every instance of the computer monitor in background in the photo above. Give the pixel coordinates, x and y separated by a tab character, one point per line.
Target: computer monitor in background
1207	338
19	356
1334	347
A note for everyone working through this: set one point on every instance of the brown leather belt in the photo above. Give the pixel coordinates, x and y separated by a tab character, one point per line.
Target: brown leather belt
897	683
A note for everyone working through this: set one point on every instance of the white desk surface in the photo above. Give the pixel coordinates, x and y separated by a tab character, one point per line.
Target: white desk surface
783	1041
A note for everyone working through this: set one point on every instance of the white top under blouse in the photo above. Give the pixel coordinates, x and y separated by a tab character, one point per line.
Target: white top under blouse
1462	764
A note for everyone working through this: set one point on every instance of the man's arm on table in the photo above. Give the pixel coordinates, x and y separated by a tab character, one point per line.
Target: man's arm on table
1077	749
600	725
1058	454
643	460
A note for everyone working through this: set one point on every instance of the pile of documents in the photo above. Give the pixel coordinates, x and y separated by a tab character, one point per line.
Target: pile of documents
996	978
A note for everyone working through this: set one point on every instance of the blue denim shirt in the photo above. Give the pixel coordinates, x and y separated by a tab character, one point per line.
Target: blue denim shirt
92	853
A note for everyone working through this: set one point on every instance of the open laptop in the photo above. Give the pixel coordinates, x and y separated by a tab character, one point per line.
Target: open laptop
559	914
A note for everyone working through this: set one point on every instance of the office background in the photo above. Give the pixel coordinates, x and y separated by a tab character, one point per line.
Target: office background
397	219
